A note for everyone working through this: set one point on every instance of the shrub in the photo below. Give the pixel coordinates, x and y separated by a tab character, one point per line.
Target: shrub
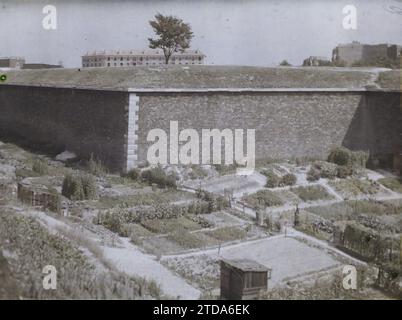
392	183
327	169
159	177
89	186
313	174
40	167
79	187
340	156
289	179
344	172
264	198
285	63
95	166
273	180
133	174
215	202
345	157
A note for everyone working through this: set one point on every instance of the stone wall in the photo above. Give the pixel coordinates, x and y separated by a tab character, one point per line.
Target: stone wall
287	124
81	121
113	125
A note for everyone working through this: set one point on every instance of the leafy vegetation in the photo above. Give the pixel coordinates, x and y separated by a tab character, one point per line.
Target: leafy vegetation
79	187
392	183
312	193
263	198
158	176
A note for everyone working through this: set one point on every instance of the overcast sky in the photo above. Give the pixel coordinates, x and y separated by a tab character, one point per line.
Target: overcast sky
252	32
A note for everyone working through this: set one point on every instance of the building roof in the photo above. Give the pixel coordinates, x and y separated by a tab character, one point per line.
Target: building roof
147	52
210	78
246	265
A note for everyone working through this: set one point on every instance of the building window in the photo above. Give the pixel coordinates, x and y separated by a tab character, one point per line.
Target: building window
108	64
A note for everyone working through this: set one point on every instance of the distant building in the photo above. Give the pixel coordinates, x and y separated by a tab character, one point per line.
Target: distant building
132	58
356	52
314	61
41	66
12	62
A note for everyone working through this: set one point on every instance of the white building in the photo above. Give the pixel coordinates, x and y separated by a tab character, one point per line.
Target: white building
131	58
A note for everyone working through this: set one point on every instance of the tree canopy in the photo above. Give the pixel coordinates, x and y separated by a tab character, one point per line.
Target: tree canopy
173	35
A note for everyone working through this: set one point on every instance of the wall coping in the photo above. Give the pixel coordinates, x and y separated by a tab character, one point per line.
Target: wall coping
262	90
208	90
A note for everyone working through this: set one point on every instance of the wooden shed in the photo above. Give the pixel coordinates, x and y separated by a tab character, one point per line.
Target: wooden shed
37	195
243	279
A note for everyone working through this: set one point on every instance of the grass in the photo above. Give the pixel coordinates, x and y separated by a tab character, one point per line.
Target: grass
227	234
265	198
312	193
187	240
356	187
287	197
138	230
32	247
163	226
392	183
351	209
143	199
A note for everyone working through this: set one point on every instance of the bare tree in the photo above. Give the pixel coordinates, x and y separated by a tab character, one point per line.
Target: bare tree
173	35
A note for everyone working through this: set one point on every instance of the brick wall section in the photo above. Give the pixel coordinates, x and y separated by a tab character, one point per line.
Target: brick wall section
287	124
81	121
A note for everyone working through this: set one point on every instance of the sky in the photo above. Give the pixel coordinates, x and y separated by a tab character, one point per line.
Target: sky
229	32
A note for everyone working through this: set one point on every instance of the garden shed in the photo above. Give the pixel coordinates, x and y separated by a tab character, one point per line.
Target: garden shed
243	279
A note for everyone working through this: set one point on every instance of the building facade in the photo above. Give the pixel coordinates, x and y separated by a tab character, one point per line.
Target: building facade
356	52
12	62
132	58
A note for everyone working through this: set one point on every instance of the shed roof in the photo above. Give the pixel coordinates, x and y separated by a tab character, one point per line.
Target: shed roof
246	265
214	78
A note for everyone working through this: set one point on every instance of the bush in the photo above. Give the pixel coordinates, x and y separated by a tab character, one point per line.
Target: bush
344	172
89	186
159	177
289	179
96	167
285	63
215	202
263	198
327	169
79	187
345	157
313	174
340	156
273	180
40	167
133	174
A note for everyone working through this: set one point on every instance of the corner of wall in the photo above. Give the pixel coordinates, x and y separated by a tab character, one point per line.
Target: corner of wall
132	132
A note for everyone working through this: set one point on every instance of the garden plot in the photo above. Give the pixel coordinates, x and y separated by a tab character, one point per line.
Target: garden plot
348	188
312	193
378	215
287	257
237	183
392	183
181	240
